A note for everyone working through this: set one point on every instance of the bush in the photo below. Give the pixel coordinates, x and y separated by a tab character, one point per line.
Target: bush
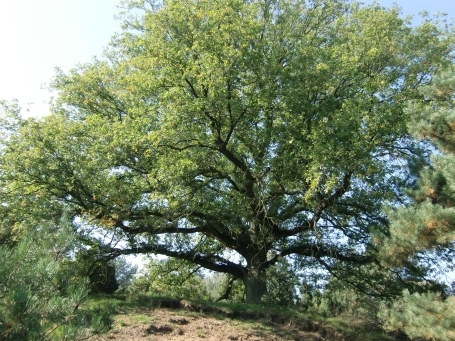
171	277
426	315
124	272
103	278
337	298
39	300
282	284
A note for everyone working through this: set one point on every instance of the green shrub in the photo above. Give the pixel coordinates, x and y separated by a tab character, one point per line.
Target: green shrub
39	300
426	315
171	277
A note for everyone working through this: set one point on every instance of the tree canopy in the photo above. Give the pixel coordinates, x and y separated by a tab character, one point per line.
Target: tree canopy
233	133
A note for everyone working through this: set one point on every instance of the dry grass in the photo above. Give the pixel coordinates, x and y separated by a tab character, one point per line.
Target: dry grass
180	320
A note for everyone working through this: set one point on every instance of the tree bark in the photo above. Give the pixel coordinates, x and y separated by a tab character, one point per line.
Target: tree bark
254	277
255	285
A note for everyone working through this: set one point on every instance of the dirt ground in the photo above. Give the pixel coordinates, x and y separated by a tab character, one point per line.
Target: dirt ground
181	323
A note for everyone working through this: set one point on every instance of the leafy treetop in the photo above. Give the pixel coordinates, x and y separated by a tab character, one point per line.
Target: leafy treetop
264	129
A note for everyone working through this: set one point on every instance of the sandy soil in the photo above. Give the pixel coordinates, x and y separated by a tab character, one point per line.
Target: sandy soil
181	323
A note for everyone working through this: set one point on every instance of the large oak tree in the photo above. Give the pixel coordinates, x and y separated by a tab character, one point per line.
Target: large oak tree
232	133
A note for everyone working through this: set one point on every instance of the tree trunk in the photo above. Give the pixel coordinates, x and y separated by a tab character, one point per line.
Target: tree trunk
255	285
254	277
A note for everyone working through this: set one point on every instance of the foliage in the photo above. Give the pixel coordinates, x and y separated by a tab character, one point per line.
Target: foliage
425	315
222	287
423	234
282	284
172	278
124	272
265	129
39	301
429	224
10	121
100	272
103	278
338	299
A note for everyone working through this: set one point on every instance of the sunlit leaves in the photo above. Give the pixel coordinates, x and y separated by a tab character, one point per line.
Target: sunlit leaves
262	127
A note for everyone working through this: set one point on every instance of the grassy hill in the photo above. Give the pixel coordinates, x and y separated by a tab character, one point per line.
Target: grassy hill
152	318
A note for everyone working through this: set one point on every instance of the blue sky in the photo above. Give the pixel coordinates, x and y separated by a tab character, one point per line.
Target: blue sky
38	35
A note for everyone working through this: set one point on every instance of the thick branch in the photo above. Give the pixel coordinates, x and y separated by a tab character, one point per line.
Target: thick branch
227	291
318	252
220	175
324	204
250	179
156	230
212	227
192	89
210	262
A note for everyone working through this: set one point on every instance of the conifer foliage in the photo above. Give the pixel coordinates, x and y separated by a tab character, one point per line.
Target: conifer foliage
426	230
40	300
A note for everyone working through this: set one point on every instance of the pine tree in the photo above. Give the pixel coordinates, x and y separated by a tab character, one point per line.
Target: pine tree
423	234
40	300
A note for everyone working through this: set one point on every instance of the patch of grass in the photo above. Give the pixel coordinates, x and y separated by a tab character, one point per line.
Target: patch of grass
98	300
140	319
251	308
122	323
200	332
359	330
245	316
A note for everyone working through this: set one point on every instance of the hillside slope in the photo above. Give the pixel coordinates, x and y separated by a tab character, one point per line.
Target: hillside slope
161	319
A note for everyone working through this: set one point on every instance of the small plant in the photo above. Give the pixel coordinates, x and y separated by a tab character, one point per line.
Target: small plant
141	319
200	332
